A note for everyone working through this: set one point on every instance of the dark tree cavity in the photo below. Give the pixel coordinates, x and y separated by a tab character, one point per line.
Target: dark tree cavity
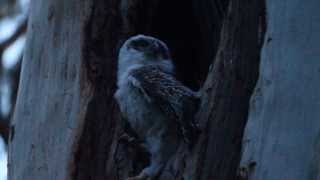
190	29
193	40
73	55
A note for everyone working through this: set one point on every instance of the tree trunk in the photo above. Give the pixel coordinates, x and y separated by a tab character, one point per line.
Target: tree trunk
53	93
282	135
227	92
66	123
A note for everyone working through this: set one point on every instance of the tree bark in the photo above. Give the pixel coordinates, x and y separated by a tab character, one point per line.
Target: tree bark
227	91
282	135
53	93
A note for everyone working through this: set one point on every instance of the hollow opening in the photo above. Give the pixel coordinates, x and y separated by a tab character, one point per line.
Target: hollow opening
176	24
190	28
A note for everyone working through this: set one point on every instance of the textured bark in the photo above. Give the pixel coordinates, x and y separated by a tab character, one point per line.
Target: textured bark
53	93
227	91
66	123
282	134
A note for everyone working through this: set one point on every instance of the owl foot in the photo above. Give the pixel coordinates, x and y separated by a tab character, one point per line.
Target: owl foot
191	134
127	138
141	176
131	141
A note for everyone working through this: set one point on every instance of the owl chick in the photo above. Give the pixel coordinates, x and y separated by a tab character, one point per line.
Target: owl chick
157	107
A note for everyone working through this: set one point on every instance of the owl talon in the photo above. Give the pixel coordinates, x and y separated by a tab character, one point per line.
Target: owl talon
131	141
142	176
127	138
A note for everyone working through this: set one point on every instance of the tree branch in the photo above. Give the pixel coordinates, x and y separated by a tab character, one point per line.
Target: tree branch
21	29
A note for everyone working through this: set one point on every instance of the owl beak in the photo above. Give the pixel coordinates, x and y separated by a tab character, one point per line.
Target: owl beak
161	50
155	46
153	50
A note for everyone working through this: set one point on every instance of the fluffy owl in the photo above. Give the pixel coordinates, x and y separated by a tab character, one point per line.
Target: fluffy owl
157	107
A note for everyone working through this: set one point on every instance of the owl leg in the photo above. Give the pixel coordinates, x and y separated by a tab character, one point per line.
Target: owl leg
161	149
153	146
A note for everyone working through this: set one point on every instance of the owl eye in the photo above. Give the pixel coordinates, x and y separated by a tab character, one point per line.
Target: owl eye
140	44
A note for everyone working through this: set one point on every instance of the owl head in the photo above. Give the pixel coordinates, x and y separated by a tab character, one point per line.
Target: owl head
143	50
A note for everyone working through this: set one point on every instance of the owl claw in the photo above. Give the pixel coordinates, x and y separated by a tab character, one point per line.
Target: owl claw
191	134
142	176
127	138
131	141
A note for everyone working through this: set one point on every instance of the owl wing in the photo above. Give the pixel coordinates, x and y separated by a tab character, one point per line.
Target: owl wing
175	100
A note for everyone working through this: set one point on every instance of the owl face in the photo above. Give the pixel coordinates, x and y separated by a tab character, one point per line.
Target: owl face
151	47
143	49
